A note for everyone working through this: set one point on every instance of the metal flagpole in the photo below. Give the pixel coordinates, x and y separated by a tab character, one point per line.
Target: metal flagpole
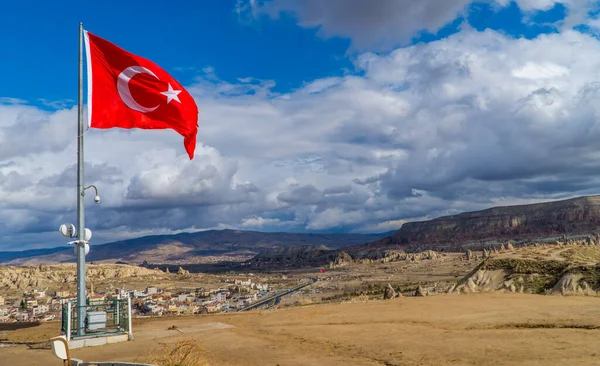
81	288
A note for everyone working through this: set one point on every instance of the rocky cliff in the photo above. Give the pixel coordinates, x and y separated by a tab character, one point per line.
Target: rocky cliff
543	220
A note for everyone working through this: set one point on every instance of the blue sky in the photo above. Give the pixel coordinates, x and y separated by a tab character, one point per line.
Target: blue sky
40	55
335	116
182	39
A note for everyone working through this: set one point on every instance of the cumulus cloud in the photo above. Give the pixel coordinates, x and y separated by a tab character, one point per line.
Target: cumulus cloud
383	24
467	122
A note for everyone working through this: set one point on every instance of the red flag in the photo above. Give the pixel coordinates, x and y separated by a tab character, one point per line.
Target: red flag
128	91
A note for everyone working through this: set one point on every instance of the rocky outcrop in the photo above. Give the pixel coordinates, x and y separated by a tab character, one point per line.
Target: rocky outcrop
499	224
469	255
342	259
420	292
387	256
56	276
486	253
532	276
573	284
389	292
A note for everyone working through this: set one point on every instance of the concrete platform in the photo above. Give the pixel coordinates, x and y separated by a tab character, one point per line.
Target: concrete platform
97	341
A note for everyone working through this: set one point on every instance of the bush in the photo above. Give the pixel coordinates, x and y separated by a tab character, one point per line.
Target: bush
182	353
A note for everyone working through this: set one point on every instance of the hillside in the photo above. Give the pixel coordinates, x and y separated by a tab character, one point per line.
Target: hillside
537	221
543	222
201	247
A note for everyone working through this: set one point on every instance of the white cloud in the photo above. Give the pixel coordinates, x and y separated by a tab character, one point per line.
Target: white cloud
259	222
383	24
473	120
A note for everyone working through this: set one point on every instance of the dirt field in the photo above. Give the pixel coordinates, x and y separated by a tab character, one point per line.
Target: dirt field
490	329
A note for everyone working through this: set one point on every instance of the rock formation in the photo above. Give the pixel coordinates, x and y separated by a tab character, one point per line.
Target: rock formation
469	255
58	276
543	220
389	292
486	254
420	291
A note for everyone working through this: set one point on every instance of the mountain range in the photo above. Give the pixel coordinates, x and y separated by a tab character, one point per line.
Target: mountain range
190	248
576	216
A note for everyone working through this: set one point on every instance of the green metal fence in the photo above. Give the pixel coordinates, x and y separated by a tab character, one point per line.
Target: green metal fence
102	318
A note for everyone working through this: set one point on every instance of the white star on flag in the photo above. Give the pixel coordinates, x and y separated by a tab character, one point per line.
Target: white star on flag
171	94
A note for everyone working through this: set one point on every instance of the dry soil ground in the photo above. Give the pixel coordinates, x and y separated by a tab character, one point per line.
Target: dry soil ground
476	329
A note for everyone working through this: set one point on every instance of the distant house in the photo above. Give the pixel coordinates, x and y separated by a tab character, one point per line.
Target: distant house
39	310
62	293
185	297
22	317
244	283
39	293
218	297
96	297
260	287
151	290
213	308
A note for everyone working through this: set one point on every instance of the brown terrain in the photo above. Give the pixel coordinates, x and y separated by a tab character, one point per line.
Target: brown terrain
477	329
523	290
445	308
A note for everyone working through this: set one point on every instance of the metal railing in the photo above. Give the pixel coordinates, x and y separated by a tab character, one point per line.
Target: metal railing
105	317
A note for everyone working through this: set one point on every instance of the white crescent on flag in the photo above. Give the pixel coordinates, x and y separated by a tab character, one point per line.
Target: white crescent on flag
125	93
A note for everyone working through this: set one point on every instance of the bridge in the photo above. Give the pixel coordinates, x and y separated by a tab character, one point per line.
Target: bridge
277	297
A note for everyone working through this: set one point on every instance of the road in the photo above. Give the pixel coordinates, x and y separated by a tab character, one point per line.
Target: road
276	296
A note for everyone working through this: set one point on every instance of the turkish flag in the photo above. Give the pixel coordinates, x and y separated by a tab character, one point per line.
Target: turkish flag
128	91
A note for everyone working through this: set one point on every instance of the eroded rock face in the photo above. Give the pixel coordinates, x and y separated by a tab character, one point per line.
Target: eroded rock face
389	292
574	276
486	254
469	255
573	284
54	276
578	215
420	291
342	259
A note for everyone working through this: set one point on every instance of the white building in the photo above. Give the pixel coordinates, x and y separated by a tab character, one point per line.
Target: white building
22	317
244	283
151	290
39	310
218	297
39	293
260	287
185	297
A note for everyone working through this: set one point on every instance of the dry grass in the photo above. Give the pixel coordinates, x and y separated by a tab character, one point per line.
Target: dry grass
582	254
183	353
